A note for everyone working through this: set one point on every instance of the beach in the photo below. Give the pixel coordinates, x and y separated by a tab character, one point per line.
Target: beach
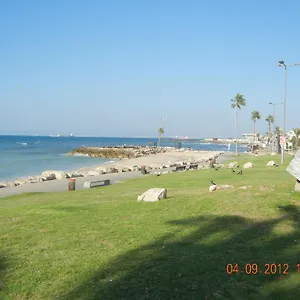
156	163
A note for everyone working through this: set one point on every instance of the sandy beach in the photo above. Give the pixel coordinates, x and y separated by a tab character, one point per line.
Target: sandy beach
161	162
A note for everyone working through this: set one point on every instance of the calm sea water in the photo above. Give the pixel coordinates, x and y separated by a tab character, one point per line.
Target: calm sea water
22	156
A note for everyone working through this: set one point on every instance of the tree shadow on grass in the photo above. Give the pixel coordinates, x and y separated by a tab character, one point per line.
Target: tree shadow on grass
190	262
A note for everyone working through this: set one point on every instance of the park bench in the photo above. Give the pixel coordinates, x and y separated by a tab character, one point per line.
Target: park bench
92	184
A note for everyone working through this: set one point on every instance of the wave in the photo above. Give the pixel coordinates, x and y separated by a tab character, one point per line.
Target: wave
109	162
80	154
22	143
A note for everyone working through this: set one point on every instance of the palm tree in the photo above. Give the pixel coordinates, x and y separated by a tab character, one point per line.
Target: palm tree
237	102
160	133
296	143
255	116
270	120
297	131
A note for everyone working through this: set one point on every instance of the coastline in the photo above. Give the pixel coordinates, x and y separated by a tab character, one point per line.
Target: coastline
117	170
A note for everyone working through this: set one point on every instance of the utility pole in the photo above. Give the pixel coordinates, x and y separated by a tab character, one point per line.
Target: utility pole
282	64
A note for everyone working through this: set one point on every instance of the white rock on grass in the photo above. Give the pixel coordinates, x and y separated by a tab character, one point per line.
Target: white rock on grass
271	163
233	164
248	165
153	195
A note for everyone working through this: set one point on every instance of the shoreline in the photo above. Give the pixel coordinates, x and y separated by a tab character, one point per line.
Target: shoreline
153	162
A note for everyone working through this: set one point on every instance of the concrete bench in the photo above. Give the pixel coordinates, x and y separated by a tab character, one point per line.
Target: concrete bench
92	184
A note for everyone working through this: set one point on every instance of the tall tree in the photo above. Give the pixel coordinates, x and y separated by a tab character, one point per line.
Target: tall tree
237	102
254	117
296	142
270	120
160	133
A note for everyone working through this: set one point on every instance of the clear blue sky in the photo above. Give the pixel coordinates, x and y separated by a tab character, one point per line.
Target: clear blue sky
115	68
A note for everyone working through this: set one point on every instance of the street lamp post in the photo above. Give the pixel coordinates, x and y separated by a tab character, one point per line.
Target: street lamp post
282	64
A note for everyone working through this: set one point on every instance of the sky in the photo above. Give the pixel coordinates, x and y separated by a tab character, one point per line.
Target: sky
117	68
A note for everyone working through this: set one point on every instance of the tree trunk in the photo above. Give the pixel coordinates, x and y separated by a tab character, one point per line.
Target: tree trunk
253	136
236	142
158	144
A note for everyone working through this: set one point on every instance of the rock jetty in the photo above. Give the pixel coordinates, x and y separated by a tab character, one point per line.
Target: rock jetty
118	151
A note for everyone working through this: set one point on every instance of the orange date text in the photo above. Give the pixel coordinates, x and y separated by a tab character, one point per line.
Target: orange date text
253	269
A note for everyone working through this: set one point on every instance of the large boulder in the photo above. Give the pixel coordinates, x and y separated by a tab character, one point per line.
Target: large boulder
20	181
232	164
75	174
153	195
271	163
93	173
248	165
51	175
3	184
100	170
35	179
111	170
136	168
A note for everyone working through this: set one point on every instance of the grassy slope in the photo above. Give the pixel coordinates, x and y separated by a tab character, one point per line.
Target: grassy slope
102	244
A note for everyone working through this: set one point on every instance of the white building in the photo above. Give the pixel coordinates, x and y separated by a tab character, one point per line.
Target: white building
249	137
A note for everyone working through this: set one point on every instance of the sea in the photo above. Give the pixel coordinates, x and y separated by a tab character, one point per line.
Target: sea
22	156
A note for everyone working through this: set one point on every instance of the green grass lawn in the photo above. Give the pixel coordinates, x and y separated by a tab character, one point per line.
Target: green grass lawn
103	244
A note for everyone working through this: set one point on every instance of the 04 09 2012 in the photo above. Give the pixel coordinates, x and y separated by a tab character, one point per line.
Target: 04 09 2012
266	269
